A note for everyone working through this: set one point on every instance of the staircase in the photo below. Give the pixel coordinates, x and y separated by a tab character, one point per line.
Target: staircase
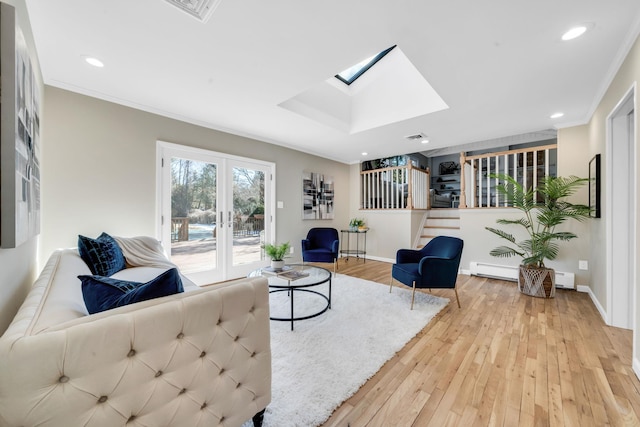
440	222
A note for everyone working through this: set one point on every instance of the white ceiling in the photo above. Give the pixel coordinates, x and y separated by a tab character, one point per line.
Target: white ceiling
499	65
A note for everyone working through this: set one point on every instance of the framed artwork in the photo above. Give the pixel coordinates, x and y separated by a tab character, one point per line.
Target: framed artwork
594	186
448	168
19	136
317	196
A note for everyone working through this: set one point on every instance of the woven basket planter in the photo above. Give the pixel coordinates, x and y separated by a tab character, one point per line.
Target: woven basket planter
537	282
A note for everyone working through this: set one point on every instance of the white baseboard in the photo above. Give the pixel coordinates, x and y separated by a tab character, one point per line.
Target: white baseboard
636	366
375	258
601	310
392	261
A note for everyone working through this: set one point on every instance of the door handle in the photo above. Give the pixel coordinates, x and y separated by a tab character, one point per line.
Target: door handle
230	222
221	218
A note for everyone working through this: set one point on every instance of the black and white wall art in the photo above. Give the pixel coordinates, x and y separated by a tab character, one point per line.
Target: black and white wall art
19	136
317	196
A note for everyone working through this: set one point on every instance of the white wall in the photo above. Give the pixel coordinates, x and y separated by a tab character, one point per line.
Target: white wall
573	159
593	139
19	267
101	171
595	135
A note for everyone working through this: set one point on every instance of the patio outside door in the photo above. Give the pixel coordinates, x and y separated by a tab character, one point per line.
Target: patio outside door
214	211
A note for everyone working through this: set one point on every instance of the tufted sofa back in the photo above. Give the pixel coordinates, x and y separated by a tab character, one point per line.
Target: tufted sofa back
200	358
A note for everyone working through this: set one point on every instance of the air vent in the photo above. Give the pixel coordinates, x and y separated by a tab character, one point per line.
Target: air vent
416	137
200	9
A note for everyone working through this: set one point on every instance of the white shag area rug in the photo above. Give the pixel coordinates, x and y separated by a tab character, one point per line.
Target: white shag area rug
325	360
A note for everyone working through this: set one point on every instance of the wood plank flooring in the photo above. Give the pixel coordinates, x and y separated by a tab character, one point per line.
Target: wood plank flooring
503	359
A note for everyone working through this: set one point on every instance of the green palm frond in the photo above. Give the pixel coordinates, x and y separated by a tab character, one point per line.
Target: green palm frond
555	188
515	194
544	209
564	235
522	221
502	234
505	252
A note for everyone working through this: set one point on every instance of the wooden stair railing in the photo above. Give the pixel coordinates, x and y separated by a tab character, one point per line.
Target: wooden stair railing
397	187
527	165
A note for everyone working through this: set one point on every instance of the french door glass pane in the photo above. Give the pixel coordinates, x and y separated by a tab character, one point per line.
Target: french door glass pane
248	215
193	215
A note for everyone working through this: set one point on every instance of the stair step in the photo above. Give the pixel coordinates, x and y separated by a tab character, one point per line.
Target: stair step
431	236
444	222
443	217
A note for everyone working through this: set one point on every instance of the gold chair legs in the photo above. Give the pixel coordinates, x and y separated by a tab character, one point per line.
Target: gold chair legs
413	292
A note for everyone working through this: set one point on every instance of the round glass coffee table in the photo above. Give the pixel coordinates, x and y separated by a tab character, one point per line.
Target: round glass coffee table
296	278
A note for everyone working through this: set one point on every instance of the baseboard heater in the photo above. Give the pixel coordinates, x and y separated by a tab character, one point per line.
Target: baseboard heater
510	272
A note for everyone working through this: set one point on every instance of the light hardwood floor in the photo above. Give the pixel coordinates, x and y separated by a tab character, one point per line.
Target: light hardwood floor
503	359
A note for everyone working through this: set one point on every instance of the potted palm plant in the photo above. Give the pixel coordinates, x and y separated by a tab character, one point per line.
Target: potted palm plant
544	209
276	252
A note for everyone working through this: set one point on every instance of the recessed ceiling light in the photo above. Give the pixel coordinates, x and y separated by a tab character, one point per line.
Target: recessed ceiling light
365	153
556	115
575	32
93	61
425	141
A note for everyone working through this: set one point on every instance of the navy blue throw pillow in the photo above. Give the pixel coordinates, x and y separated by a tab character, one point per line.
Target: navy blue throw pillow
104	293
102	255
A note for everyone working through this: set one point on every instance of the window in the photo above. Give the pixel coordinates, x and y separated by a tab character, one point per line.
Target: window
350	75
215	211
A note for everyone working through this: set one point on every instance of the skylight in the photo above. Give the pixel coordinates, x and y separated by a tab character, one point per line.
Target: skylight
372	102
350	75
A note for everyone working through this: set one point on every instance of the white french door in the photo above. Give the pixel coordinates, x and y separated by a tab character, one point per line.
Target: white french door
216	211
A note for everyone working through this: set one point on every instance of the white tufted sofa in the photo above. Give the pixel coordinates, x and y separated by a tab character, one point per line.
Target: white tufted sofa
199	358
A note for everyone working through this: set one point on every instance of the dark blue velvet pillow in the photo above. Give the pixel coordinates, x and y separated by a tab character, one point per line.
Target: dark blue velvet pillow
102	255
104	293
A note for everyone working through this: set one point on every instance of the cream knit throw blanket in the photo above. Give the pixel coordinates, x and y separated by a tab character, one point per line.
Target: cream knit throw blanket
143	251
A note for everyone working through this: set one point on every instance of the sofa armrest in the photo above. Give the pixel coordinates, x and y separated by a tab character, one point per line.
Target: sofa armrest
187	359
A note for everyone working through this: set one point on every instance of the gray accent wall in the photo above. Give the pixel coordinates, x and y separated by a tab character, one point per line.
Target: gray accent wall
100	171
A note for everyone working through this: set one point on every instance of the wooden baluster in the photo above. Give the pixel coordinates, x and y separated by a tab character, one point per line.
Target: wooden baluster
473	183
463	192
410	187
363	182
546	162
534	176
506	172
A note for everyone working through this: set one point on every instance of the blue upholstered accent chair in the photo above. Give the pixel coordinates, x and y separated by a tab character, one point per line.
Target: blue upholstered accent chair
321	245
435	266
